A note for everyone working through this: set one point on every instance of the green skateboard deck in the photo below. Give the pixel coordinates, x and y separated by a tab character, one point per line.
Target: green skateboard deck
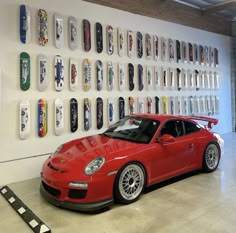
24	71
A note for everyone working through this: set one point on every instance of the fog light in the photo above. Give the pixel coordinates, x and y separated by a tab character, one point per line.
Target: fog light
78	184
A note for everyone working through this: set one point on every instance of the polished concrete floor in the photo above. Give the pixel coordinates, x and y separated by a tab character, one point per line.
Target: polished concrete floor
199	203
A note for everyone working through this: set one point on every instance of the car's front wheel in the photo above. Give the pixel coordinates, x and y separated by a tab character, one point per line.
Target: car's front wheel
129	183
211	157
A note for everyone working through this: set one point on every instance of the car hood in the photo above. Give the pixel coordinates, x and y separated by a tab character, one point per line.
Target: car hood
81	151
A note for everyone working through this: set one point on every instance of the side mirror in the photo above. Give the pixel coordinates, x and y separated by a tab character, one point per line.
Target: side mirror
166	138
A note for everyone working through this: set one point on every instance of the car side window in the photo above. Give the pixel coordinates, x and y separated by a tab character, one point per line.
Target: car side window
191	127
173	127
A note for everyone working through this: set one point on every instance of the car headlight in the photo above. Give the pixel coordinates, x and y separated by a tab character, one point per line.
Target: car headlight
94	165
57	150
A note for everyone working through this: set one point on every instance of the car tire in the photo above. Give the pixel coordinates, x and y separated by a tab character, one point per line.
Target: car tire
211	157
129	183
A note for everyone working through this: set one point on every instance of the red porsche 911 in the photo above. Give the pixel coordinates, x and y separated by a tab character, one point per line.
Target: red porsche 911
140	150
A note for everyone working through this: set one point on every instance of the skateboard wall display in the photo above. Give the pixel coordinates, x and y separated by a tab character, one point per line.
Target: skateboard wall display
110	74
157	105
121	69
99	37
111	111
99	102
139	37
164	100
99	74
73	32
110	40
42	27
163	49
197	80
87	114
196	53
171	50
178	51
87	35
120	41
190	53
140	77
157	77
87	74
24	24
42	72
73	115
131	105
130	40
42	117
148	46
156	47
216	57
73	75
184	52
59	117
149	77
131	76
24	71
149	104
179	79
24	122
140	105
59	73
121	105
59	30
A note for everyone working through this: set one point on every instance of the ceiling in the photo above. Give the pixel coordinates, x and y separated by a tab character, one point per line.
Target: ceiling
219	8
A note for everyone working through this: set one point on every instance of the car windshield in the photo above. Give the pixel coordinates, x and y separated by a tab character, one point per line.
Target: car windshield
134	129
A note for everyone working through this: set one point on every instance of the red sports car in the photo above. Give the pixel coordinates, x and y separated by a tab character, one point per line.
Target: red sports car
138	151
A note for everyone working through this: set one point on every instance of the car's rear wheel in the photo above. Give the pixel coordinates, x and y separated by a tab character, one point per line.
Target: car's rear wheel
129	183
211	157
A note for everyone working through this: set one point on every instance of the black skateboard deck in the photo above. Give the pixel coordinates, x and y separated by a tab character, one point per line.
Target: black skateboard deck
99	37
121	107
131	76
99	102
140	77
73	115
157	105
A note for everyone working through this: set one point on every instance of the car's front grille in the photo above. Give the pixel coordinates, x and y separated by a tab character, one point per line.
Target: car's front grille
54	192
77	194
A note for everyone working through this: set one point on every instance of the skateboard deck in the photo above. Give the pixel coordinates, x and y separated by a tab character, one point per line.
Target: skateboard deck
216	57
99	37
191	79
42	27
148	46
59	30
197	81
120	41
164	104
110	40
99	102
155	47
59	73
157	77
191	105
157	105
59	117
121	77
24	119
73	77
140	77
131	76
178	51
131	105
172	78
196	53
42	72
197	105
87	35
149	77
87	74
163	48
206	55
42	117
185	106
24	71
211	54
110	73
87	114
217	104
216	80
164	78
201	55
149	104
179	79
111	111
73	115
172	105
99	73
185	79
130	40
202	104
139	36
121	107
184	52
171	50
24	24
141	105
73	32
179	105
190	52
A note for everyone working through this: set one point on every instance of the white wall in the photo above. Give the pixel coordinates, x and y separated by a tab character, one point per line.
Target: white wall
30	154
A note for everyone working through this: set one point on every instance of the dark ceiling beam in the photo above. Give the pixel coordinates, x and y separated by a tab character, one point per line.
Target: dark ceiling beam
171	11
219	7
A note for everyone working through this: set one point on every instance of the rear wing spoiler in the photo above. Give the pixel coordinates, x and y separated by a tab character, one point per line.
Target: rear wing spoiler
211	121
